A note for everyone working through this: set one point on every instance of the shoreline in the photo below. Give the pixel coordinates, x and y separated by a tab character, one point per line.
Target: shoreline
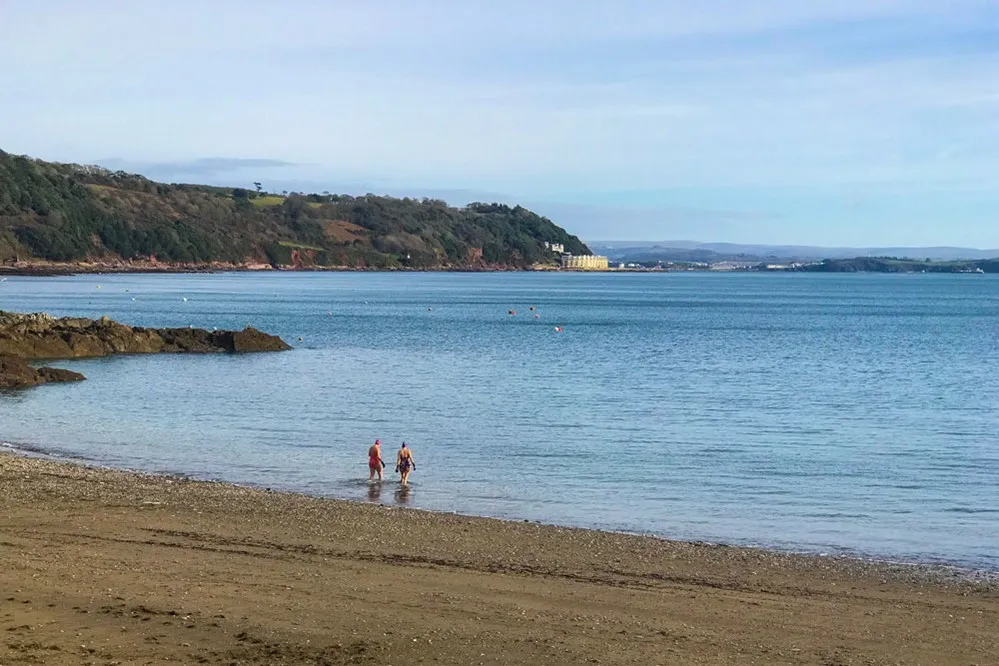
106	565
932	569
44	270
64	270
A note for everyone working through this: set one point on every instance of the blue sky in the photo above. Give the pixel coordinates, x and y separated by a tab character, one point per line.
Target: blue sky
854	122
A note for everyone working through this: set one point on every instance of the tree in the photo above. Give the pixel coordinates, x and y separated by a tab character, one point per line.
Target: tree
257	185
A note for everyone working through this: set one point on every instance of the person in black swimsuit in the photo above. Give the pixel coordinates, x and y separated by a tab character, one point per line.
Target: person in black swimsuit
404	463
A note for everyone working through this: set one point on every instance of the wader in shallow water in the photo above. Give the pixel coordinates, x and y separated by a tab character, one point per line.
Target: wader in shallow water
404	463
375	463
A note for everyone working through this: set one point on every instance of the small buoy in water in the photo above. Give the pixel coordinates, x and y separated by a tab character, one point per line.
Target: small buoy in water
558	329
537	316
133	298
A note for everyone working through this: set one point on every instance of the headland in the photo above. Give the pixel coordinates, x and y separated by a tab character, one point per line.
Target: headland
57	218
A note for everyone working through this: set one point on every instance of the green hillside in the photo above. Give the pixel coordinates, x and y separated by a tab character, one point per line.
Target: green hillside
73	213
901	265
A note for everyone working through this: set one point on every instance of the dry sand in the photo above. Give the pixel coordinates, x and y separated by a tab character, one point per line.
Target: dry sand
107	567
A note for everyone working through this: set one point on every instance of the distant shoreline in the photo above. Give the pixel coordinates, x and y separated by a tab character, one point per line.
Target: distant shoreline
46	270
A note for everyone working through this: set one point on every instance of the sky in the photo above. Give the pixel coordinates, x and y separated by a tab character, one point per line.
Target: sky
822	122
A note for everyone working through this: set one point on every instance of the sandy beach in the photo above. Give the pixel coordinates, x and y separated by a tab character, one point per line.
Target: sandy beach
110	567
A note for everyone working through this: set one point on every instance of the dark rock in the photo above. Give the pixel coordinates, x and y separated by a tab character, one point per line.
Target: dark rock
248	340
42	336
60	375
16	373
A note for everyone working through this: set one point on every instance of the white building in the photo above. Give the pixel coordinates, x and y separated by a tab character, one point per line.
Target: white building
584	262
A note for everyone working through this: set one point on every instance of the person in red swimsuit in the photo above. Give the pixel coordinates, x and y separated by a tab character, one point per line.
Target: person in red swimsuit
375	463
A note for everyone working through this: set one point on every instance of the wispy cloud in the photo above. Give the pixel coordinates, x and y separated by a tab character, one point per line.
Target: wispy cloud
204	167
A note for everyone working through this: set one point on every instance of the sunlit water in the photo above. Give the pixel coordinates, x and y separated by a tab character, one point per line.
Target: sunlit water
827	413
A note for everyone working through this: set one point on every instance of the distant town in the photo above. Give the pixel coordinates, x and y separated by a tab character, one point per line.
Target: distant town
857	265
676	259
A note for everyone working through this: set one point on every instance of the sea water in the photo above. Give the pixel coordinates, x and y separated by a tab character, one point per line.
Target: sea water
847	414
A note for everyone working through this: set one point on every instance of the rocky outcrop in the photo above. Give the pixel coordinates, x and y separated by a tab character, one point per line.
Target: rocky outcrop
41	336
16	373
38	336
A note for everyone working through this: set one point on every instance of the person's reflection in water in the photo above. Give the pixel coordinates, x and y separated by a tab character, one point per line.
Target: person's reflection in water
402	495
375	491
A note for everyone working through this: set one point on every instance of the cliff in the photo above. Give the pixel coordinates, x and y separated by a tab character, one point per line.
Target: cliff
68	213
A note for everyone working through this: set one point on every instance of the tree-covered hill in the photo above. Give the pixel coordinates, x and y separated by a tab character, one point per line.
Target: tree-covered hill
72	213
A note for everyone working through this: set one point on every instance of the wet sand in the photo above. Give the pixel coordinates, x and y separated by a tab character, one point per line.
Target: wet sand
107	567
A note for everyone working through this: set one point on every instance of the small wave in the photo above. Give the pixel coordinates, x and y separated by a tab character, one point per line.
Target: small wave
836	514
36	450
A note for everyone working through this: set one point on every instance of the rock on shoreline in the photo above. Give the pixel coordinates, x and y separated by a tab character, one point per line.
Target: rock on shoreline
41	336
16	373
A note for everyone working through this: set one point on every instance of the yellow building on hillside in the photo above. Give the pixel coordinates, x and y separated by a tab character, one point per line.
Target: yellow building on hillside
584	262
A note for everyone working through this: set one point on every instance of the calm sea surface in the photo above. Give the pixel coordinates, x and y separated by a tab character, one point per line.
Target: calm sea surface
852	414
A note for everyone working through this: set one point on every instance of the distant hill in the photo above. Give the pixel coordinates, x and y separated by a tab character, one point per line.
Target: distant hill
899	265
70	213
696	251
